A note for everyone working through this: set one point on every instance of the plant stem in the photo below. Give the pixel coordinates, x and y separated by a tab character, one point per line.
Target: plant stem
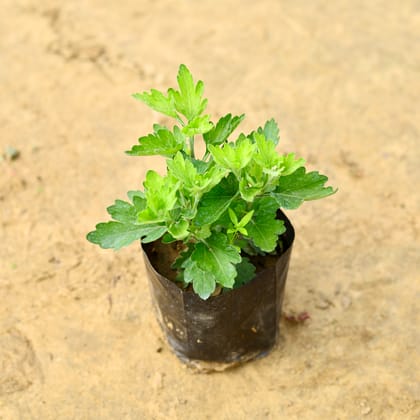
192	146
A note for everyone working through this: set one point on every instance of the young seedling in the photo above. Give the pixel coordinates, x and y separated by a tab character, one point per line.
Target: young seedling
223	206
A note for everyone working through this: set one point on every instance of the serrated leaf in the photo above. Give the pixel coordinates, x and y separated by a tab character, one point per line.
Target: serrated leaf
117	235
294	189
125	212
163	142
179	229
161	196
158	101
184	170
132	194
264	229
270	131
214	203
198	125
188	100
223	129
290	164
246	272
218	257
233	156
204	282
183	257
267	156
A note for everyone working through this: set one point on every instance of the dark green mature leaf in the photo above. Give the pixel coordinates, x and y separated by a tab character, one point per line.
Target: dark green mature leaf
132	194
214	203
117	235
294	189
163	142
223	129
218	257
246	272
264	229
270	131
125	212
204	282
188	100
158	101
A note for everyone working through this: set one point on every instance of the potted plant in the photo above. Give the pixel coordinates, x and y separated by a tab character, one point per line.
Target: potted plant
216	244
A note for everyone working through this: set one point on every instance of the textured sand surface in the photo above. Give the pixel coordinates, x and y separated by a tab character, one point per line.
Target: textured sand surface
78	338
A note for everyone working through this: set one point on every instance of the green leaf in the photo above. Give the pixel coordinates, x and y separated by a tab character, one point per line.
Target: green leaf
267	156
294	189
233	217
188	100
204	282
116	235
214	203
183	257
162	142
179	230
223	129
264	229
246	219
217	257
132	194
246	272
161	196
290	164
125	212
158	101
270	131
198	125
233	156
183	169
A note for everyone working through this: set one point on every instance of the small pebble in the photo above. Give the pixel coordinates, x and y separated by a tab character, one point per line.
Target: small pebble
366	410
11	153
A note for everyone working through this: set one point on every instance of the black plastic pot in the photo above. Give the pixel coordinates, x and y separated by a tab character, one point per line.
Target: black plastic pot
231	328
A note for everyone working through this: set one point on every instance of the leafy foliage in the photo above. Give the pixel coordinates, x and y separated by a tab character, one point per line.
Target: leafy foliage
222	206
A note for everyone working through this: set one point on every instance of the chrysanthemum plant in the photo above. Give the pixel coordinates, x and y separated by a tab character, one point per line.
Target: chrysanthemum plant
221	207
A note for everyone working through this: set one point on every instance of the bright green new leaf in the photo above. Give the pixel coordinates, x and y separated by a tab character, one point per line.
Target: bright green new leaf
264	228
233	217
290	164
158	101
198	125
163	142
161	196
179	230
223	129
188	100
294	189
266	155
214	203
233	156
183	169
116	235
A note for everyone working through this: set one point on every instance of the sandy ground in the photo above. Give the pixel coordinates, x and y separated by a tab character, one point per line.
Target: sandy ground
78	338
